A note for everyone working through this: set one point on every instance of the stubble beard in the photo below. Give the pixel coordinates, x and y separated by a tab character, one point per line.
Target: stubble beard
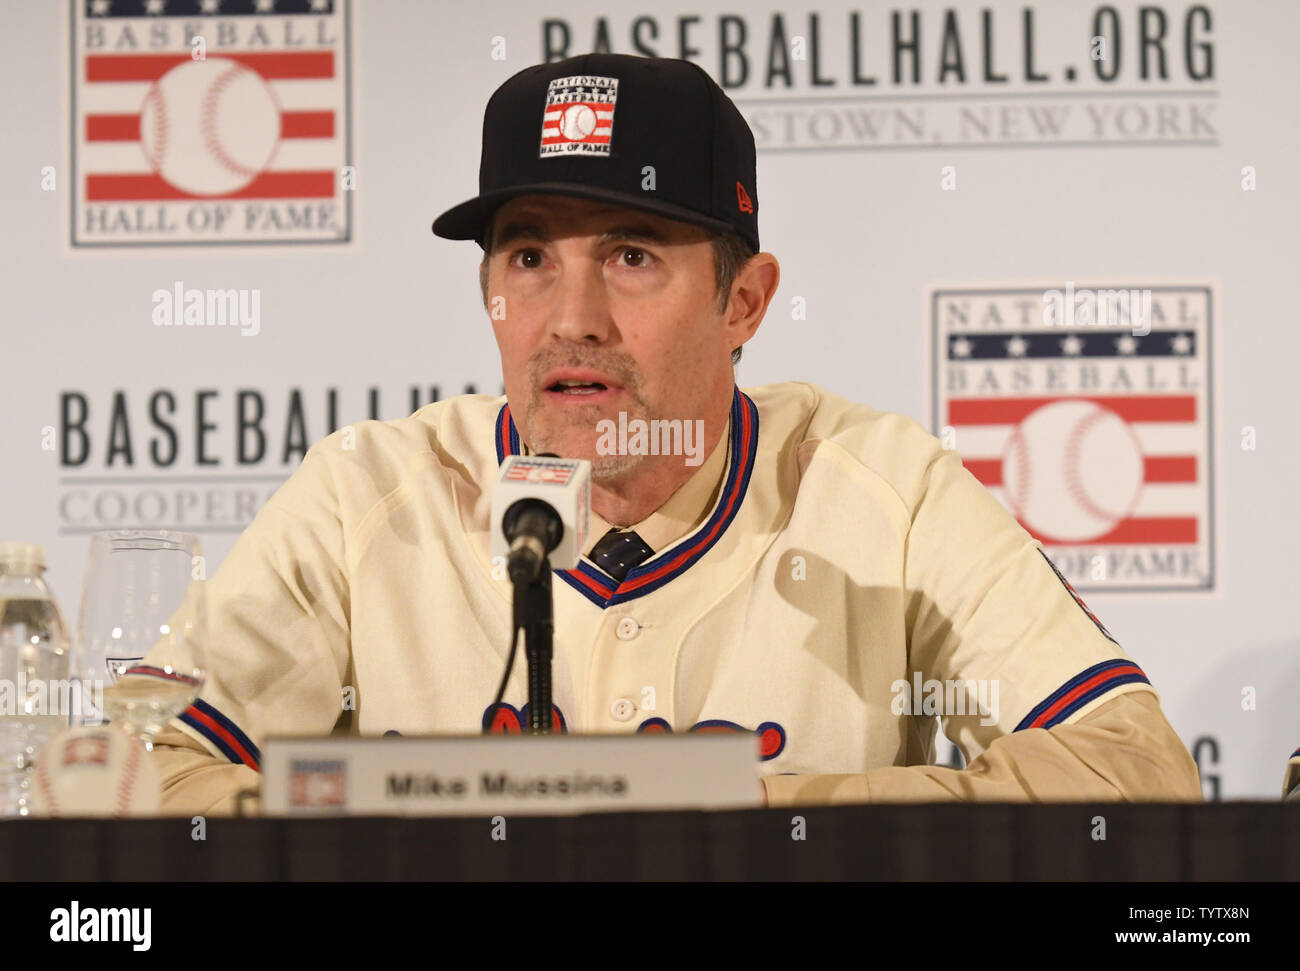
572	432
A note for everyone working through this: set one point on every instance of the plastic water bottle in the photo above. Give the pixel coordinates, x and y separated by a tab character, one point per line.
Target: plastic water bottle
34	662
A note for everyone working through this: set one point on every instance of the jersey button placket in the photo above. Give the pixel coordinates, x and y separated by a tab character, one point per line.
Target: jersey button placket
620	673
622	709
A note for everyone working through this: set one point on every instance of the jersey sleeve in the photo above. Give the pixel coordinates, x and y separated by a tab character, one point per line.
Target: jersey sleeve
1125	749
277	627
998	641
194	781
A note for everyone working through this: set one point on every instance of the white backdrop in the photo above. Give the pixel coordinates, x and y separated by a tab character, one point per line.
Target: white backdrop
1176	173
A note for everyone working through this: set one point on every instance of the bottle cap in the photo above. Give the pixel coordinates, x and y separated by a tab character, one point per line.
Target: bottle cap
30	555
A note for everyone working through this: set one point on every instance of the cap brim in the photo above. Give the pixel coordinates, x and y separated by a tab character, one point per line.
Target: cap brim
469	220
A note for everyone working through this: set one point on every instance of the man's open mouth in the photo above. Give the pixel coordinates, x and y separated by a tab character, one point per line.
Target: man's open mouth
577	387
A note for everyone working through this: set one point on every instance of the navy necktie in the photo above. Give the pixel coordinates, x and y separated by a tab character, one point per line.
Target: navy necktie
619	551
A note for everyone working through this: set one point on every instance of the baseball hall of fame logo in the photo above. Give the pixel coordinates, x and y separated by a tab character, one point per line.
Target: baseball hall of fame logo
1092	423
202	122
88	749
317	784
578	118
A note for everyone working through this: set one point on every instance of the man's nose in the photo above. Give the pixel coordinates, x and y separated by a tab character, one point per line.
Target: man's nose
580	310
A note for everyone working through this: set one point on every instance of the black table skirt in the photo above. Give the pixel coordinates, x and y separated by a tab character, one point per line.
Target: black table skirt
1144	842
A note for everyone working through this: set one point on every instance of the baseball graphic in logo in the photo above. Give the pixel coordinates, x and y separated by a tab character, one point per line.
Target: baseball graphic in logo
577	122
209	127
1072	470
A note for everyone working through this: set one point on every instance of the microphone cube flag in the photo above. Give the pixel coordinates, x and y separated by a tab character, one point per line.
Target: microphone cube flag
563	484
98	771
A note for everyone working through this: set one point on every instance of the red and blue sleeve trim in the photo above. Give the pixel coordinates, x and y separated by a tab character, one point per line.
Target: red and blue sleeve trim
1082	689
601	589
223	733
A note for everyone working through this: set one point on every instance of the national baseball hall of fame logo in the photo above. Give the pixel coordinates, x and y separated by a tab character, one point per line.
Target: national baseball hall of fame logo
578	118
204	122
317	784
1093	428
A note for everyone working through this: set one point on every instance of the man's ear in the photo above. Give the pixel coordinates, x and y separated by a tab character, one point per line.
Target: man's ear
751	292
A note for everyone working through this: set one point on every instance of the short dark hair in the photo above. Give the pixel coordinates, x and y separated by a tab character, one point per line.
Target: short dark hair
731	252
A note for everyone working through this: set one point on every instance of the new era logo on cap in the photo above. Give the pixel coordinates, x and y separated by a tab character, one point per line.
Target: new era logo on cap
579	116
743	202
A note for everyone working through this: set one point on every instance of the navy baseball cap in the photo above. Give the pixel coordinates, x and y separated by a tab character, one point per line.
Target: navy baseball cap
589	126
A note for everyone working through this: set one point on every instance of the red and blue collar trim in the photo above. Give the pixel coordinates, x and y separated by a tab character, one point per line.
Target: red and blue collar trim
659	570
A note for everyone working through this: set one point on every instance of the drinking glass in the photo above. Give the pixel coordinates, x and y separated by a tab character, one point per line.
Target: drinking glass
141	629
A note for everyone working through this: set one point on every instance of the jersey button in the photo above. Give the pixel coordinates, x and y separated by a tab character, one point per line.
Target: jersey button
627	629
622	709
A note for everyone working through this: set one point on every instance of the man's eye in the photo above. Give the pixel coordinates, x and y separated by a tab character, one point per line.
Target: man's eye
640	257
526	253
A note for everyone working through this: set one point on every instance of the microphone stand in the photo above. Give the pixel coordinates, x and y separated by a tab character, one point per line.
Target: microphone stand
534	611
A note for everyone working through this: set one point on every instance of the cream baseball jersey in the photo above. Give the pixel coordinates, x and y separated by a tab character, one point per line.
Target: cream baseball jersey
848	564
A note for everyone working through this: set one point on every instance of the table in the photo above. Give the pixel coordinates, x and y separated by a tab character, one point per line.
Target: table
1148	842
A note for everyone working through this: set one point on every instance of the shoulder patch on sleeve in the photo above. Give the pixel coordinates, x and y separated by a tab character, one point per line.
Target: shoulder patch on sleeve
1077	599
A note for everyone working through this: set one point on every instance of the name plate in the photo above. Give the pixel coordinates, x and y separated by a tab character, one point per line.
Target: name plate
523	775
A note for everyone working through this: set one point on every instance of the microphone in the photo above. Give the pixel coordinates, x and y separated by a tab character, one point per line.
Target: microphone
540	507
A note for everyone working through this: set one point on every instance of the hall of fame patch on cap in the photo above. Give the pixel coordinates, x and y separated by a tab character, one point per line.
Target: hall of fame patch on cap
198	123
578	118
1088	413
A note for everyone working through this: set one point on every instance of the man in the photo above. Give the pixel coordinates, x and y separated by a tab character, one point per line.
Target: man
797	565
